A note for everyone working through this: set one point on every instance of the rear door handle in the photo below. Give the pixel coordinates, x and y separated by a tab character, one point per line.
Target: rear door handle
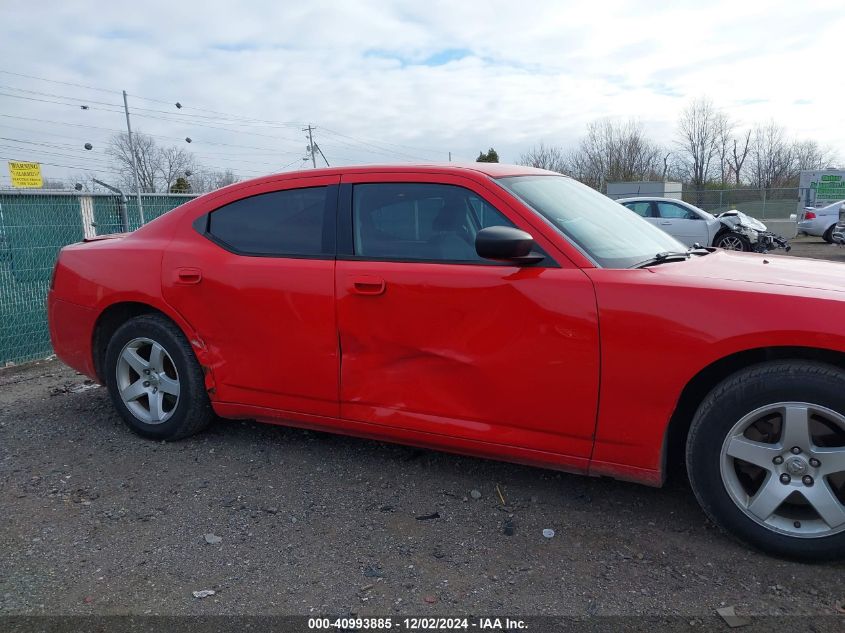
188	276
666	222
367	285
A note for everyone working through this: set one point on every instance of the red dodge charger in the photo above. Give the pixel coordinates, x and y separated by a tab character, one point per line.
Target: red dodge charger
491	310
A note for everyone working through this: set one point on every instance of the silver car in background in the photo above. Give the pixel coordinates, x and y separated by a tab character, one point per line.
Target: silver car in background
821	221
732	230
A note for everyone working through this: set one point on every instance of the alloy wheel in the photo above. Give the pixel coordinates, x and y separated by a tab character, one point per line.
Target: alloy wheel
147	380
731	243
783	465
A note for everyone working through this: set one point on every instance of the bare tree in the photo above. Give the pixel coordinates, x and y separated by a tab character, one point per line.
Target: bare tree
158	167
611	150
544	156
811	155
174	162
738	155
146	156
701	130
203	180
724	138
772	157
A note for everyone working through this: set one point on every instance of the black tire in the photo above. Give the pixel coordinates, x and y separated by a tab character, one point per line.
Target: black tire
828	235
192	411
737	396
720	241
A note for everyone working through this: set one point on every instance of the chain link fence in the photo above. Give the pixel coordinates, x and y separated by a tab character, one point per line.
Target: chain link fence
33	227
763	204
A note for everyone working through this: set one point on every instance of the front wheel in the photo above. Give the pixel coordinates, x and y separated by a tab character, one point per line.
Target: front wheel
154	379
766	458
732	242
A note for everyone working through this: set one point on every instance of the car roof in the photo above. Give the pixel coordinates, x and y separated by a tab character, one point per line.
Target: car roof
650	199
493	170
496	170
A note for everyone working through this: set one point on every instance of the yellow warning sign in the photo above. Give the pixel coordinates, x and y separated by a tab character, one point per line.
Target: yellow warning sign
25	174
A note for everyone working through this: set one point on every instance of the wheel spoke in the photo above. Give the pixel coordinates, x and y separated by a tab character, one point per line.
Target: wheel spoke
756	453
157	357
771	494
168	385
832	459
821	497
795	429
133	391
157	405
137	363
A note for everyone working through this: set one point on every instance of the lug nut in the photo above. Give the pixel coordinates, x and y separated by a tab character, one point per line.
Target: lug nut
146	371
778	460
795	450
785	479
146	383
808	481
814	462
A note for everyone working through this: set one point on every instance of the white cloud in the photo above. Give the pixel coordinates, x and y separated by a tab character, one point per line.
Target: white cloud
431	77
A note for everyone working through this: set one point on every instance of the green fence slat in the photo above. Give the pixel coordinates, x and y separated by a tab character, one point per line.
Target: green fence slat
33	227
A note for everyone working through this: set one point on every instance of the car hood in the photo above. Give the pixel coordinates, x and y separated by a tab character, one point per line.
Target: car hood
733	219
797	272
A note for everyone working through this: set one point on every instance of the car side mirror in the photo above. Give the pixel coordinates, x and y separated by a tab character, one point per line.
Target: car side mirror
506	243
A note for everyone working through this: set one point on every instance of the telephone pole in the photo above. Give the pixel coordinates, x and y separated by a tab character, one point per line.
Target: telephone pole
134	162
311	148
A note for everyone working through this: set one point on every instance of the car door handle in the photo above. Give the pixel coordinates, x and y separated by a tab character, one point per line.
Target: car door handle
367	285
666	222
188	276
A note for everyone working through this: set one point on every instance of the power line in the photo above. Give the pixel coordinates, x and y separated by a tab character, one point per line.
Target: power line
373	143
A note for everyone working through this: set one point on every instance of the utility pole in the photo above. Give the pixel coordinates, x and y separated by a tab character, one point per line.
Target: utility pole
134	162
311	148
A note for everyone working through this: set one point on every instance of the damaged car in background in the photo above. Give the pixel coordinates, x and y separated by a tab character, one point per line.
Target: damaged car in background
732	230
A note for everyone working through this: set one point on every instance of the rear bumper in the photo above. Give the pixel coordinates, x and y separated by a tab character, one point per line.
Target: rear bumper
71	332
817	227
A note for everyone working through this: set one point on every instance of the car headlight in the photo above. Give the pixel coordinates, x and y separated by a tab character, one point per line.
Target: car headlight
751	234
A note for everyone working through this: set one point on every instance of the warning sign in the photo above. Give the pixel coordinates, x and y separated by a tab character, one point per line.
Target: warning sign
25	175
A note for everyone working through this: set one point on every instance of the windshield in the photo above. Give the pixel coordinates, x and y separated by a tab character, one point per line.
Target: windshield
605	230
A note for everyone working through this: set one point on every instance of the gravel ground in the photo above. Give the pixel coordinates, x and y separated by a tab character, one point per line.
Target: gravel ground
98	521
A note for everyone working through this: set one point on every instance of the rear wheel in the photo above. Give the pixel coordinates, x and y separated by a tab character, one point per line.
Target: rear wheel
766	458
154	379
828	235
732	242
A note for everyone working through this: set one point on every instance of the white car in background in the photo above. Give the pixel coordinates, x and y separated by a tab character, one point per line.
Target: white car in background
820	222
732	230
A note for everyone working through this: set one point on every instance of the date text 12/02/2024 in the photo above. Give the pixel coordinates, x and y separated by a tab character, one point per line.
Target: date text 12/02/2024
416	624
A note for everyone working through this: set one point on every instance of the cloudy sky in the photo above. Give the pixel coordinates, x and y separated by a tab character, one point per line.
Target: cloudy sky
401	81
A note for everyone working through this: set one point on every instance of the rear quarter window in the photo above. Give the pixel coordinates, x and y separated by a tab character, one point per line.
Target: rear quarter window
295	222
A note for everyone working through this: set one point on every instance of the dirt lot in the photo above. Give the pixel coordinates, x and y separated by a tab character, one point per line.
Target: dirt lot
98	521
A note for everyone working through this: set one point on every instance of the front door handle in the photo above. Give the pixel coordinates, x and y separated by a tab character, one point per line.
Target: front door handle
188	276
666	222
367	285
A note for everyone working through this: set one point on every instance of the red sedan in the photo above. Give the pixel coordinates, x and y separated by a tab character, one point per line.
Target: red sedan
484	309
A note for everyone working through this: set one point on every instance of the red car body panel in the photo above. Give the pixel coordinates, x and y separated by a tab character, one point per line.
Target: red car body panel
563	364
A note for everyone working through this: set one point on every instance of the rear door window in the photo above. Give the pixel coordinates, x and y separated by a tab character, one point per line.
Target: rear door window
294	222
641	208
